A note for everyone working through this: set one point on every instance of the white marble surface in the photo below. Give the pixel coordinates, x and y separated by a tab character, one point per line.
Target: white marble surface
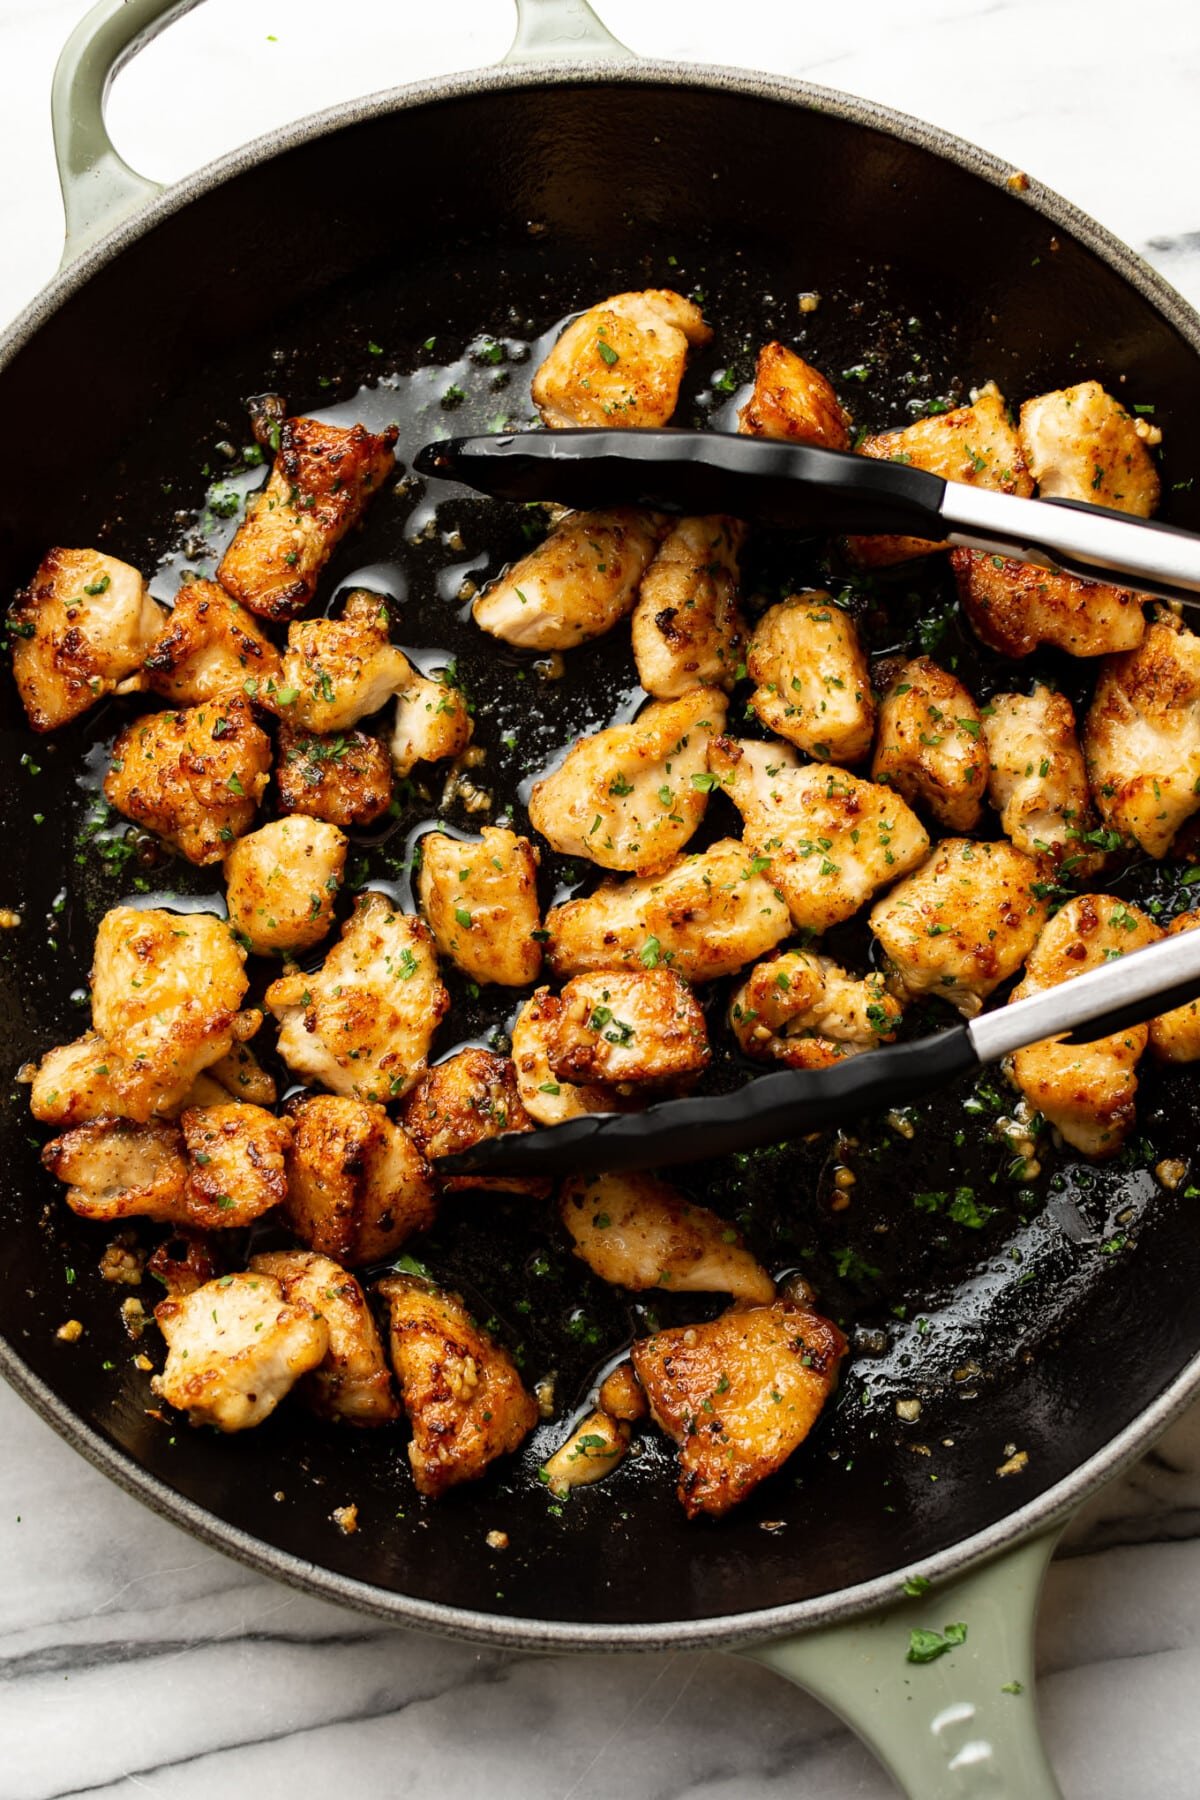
134	1660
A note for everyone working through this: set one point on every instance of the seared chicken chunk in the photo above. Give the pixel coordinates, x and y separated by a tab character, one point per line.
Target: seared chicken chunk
638	1232
1081	444
336	671
813	684
195	777
687	629
1016	606
931	747
1036	778
705	916
353	1382
357	1183
236	1163
1086	1090
620	1025
738	1395
77	1081
281	883
829	840
431	724
575	585
545	1097
631	797
323	477
1141	737
362	1023
621	362
459	1388
115	1169
183	1262
480	900
804	1010
963	923
793	400
345	779
592	1451
80	631
973	444
460	1102
210	646
1175	1036
235	1347
621	1395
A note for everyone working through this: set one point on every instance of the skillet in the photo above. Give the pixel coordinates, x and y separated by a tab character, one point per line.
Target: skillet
1063	1326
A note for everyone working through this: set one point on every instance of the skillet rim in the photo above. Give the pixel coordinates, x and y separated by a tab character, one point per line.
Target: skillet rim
730	1630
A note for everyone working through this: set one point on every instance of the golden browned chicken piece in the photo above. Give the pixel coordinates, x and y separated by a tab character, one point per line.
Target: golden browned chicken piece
236	1163
1016	606
1081	444
336	671
183	1261
545	1096
738	1395
804	1010
460	1102
460	1389
813	683
357	1184
432	723
631	797
345	778
592	1451
931	747
1036	778
974	444
353	1382
362	1023
1141	738
623	1025
1175	1036
638	1232
79	631
208	647
195	777
575	585
323	478
235	1347
688	630
705	916
963	923
791	399
480	900
1085	1090
621	1395
281	883
621	362
828	840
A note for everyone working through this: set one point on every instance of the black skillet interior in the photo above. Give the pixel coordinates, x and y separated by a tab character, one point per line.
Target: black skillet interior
404	269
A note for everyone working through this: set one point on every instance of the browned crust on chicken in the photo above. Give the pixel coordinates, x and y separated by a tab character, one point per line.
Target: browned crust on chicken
357	1183
1141	738
79	631
621	1025
194	777
620	362
236	1157
793	400
1015	606
480	900
344	777
638	1232
460	1103
931	745
353	1384
210	646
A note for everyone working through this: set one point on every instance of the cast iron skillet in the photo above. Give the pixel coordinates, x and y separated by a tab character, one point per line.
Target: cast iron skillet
1061	1321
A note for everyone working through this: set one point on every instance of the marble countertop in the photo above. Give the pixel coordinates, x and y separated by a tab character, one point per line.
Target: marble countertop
134	1660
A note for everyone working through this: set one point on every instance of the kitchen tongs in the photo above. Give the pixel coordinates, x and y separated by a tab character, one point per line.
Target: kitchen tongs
819	492
771	1108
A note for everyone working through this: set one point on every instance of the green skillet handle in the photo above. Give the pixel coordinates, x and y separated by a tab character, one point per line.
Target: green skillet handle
549	30
952	1729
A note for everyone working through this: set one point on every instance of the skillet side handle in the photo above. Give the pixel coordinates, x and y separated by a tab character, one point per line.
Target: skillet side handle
952	1729
549	30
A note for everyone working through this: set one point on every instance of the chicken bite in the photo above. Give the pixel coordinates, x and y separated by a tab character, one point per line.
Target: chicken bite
793	400
620	362
323	478
813	684
638	1232
807	1012
352	1383
116	1169
963	923
1015	606
1175	1036
1085	1090
480	900
432	723
236	1163
79	631
622	1025
1036	778
281	883
336	671
210	646
931	747
344	778
194	777
460	1389
235	1347
688	630
357	1184
461	1102
705	916
829	840
546	1098
738	1395
363	1022
575	585
1081	444
631	797
1141	738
